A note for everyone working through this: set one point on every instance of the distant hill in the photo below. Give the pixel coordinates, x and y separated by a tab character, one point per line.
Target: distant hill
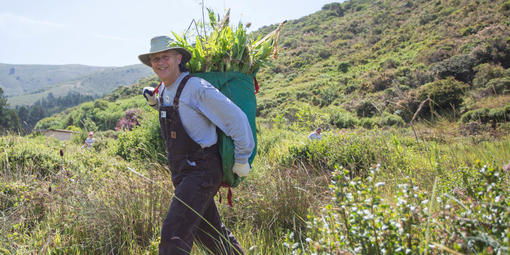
374	62
25	84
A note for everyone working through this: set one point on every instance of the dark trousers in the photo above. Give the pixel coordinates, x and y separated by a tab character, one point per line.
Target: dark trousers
193	215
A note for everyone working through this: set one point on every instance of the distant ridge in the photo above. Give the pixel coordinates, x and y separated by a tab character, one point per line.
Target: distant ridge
25	84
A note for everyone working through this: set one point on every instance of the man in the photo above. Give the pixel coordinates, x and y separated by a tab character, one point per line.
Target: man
89	141
190	110
315	135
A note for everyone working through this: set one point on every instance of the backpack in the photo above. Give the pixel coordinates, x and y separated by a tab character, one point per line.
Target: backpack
241	89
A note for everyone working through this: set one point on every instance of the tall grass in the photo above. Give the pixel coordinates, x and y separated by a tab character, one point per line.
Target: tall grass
89	202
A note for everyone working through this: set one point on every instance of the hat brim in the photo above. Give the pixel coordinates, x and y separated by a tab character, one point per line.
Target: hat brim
145	58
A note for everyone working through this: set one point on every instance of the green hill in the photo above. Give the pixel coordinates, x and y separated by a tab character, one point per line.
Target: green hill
20	79
413	98
25	84
368	62
369	57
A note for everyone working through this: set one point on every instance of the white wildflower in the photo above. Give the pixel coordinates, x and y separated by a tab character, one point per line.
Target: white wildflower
379	184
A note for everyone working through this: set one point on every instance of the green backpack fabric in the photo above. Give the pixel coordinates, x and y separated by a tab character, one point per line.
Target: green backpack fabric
239	88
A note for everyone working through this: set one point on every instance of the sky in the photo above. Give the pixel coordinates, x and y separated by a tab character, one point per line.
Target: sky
115	32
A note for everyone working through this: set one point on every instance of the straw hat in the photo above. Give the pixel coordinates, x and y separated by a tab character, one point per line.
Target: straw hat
164	43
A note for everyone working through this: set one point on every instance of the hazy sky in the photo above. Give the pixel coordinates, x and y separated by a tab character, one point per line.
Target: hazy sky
115	32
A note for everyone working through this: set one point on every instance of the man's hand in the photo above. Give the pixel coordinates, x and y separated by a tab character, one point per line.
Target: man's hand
148	93
241	169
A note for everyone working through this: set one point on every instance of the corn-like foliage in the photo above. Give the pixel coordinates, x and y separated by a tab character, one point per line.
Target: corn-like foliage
224	48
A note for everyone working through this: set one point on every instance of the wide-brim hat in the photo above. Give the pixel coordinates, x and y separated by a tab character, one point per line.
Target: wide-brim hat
164	43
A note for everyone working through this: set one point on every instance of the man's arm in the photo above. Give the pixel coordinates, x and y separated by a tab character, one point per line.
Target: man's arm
229	118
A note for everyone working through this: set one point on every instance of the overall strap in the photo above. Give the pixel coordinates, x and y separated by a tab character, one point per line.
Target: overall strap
179	90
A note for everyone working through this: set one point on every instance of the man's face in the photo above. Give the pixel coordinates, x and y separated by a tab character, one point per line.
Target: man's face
166	64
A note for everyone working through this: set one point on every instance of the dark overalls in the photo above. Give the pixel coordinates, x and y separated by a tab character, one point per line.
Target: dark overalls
196	175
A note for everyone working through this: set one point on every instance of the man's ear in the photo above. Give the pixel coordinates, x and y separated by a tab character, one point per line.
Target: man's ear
179	58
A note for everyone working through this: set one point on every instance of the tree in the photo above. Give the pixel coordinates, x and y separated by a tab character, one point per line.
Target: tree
9	120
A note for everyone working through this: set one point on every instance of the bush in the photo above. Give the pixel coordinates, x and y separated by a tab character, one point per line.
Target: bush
389	119
334	9
350	151
460	67
324	53
50	123
343	67
36	159
342	119
485	73
498	86
366	109
505	7
367	123
144	142
470	218
485	115
381	82
445	95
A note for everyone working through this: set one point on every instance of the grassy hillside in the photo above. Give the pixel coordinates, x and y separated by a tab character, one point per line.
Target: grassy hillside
371	57
19	79
94	81
413	98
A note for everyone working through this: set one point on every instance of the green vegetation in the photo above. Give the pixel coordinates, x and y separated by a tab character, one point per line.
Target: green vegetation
28	83
412	97
228	48
88	201
20	79
8	117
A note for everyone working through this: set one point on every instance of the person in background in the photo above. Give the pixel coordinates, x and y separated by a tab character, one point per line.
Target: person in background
315	135
89	141
190	110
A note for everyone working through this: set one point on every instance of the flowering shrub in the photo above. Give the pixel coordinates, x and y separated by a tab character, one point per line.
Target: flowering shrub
470	219
129	121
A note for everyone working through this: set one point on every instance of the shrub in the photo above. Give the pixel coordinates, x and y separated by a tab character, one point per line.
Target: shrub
389	119
343	67
366	109
367	123
505	7
129	121
144	142
324	53
36	159
498	86
480	115
471	218
381	82
342	119
334	9
468	31
350	151
485	73
485	115
460	67
445	95
50	123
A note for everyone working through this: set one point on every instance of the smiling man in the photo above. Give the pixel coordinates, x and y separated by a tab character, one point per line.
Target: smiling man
190	110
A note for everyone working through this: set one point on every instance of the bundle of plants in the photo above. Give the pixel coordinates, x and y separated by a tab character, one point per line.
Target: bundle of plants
218	47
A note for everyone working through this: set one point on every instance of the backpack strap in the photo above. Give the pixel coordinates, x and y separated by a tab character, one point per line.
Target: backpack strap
179	90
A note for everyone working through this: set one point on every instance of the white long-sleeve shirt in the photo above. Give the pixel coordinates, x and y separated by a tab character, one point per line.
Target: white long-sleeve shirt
202	108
